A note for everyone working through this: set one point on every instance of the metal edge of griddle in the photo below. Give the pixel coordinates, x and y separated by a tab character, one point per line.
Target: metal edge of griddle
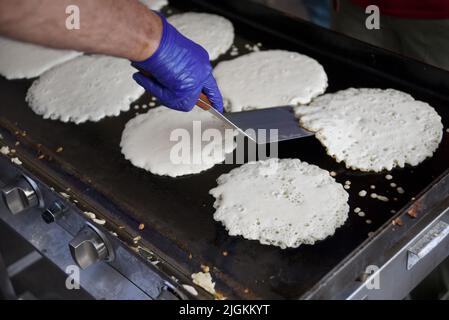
387	241
61	178
403	70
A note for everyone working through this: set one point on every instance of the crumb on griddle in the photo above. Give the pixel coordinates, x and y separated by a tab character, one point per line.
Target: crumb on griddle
41	157
379	197
5	150
389	177
333	174
65	195
397	222
225	253
219	296
363	193
383	198
90	215
101	222
141	226
190	289
412	213
357	210
59	150
204	280
205	268
400	190
16	161
368	221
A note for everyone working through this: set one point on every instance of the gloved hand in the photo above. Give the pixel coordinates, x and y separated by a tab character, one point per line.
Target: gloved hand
180	70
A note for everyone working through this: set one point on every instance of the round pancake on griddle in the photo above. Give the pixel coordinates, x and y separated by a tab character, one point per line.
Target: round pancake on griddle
268	79
280	202
21	60
373	129
172	143
87	88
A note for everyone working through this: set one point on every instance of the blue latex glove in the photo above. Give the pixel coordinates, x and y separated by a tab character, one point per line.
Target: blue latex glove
180	70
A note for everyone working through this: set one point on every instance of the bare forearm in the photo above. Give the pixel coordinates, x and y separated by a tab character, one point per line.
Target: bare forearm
123	28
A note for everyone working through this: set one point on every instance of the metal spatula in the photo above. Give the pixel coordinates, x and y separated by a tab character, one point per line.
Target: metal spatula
258	124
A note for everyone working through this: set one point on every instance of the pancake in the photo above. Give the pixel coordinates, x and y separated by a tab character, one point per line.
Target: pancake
87	88
21	60
146	142
373	129
283	203
269	79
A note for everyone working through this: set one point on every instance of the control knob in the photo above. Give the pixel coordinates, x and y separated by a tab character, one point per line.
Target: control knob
89	246
22	194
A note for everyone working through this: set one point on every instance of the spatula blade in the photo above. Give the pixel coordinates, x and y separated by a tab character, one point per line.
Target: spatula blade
281	119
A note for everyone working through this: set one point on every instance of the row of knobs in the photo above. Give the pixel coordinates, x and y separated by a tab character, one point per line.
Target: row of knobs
89	246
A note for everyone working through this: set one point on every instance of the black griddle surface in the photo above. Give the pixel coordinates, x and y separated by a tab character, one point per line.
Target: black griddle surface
178	212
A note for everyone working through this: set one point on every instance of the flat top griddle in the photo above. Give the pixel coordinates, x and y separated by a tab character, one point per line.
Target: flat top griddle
178	212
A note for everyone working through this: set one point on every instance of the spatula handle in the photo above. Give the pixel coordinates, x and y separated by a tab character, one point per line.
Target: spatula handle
203	102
